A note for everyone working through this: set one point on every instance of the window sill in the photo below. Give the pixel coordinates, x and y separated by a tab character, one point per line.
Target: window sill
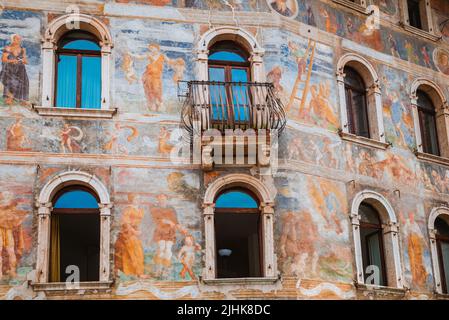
66	287
420	33
366	142
352	5
442	296
75	112
241	281
381	290
432	158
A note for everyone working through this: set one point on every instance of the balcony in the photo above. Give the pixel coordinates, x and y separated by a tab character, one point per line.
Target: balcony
232	120
231	105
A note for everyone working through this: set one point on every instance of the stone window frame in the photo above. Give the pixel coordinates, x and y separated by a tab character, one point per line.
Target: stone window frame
441	105
404	21
270	272
44	208
55	30
434	214
241	37
359	6
390	236
374	101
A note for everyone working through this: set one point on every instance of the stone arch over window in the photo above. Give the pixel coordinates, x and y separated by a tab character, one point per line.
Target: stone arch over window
241	37
390	236
373	94
45	206
439	212
439	102
266	209
54	32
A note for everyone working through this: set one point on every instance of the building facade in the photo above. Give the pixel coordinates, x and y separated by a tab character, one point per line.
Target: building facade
207	149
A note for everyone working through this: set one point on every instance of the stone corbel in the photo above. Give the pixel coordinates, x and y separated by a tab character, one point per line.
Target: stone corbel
432	235
374	88
340	75
267	208
355	219
44	209
391	227
263	155
207	159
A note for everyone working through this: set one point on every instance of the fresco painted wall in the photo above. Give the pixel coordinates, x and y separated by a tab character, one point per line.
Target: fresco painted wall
157	228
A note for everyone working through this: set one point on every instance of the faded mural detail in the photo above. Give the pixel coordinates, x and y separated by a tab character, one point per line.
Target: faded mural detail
15	223
154	241
313	236
157	230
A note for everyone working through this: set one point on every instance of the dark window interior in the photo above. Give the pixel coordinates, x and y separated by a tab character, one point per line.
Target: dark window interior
442	236
80	245
372	242
427	121
75	234
237	236
356	103
414	13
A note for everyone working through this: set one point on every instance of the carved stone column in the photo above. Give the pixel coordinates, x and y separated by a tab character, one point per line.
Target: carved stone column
43	241
355	222
48	73
209	235
269	263
105	238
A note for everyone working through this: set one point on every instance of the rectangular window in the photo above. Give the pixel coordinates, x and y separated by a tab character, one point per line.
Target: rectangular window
66	81
414	13
238	249
78	80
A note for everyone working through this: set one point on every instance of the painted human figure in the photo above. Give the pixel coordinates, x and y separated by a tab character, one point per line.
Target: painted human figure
281	7
164	146
13	74
129	256
426	57
152	77
115	144
166	224
11	233
415	249
443	62
16	138
393	46
69	141
128	69
320	104
298	236
187	256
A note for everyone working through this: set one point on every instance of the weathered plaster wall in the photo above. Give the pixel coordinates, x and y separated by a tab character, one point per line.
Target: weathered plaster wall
319	173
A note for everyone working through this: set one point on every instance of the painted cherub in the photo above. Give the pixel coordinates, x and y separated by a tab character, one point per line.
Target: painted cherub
187	256
128	69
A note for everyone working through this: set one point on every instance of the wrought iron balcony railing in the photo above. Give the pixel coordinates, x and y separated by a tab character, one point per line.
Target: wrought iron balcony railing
231	105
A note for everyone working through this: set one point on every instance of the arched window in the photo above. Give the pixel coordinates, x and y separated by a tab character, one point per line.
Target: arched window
78	71
237	235
376	241
442	242
356	103
238	214
229	67
427	123
429	106
76	64
75	235
360	102
371	238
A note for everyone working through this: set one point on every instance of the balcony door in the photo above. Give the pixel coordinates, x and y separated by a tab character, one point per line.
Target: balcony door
229	72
